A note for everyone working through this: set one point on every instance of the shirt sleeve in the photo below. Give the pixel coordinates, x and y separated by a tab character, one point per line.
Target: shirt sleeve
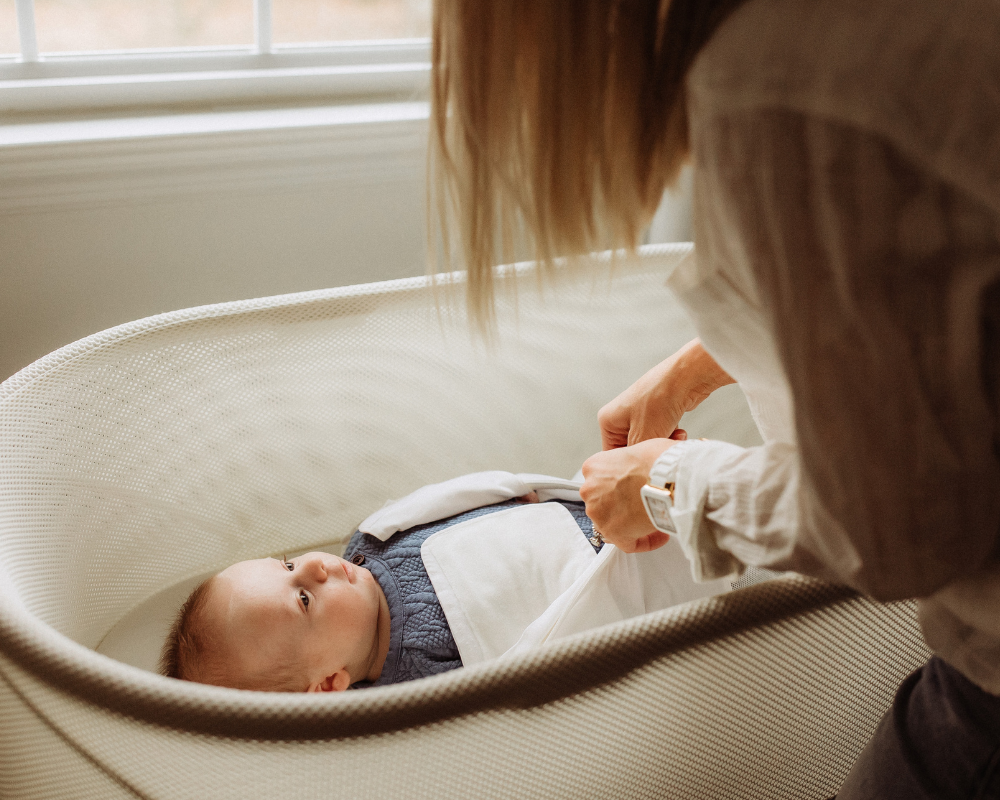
878	277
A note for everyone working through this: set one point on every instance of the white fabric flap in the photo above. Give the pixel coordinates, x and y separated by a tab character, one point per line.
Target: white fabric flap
495	574
617	586
455	496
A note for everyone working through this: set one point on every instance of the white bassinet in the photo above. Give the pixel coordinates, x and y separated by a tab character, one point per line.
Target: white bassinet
140	458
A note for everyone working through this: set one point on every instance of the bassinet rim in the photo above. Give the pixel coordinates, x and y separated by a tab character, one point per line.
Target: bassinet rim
550	673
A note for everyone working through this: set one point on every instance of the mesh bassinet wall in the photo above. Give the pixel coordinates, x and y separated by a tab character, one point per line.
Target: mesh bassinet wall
159	450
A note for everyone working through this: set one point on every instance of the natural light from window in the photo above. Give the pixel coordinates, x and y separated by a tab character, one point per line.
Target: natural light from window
90	25
8	28
81	25
345	20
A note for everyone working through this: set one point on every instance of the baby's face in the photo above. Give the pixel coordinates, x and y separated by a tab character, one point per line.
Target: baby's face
317	611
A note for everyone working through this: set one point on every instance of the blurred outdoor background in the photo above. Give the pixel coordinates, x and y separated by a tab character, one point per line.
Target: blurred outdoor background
86	25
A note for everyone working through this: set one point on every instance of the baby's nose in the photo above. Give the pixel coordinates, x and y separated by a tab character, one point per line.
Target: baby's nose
315	568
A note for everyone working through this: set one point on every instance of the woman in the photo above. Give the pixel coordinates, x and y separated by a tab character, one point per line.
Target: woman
847	209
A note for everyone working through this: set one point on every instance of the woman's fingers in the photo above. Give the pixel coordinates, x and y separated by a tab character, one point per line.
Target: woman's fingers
615	420
612	481
654	426
651	541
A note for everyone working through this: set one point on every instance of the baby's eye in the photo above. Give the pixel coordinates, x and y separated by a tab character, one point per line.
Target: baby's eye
289	566
304	598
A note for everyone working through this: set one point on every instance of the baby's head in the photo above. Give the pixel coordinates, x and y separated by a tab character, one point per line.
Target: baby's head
315	623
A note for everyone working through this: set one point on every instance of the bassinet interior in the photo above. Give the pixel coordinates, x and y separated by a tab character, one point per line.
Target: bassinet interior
139	459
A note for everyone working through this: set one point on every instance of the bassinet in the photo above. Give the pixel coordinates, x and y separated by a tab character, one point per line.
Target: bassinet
140	457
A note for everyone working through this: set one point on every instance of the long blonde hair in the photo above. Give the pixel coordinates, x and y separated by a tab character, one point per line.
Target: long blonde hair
556	124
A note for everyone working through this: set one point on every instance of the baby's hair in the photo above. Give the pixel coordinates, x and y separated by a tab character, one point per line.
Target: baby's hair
191	653
184	651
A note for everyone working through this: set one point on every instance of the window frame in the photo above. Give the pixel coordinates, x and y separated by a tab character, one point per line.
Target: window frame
34	83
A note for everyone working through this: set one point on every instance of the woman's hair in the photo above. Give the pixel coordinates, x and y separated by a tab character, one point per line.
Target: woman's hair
556	124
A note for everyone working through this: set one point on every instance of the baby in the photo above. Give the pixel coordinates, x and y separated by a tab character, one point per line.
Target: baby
315	623
454	574
321	623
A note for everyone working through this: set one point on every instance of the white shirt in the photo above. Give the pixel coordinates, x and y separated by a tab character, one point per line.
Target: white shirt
847	230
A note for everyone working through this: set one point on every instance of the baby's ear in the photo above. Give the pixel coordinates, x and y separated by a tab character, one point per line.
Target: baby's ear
337	682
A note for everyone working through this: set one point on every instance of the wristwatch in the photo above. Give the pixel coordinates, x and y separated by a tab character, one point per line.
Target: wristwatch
658	501
658	494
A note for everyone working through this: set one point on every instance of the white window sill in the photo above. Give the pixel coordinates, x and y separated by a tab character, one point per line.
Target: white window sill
200	88
71	82
200	124
148	157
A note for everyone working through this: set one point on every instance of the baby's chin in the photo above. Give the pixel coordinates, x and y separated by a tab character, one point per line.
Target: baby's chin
366	578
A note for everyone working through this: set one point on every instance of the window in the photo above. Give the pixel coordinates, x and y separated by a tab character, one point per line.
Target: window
60	55
87	25
8	29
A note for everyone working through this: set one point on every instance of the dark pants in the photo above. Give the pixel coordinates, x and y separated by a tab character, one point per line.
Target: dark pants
940	740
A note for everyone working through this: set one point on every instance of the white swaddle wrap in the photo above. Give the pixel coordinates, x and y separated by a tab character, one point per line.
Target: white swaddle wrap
518	578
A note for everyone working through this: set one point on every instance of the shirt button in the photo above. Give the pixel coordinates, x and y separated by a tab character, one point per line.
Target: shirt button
358	559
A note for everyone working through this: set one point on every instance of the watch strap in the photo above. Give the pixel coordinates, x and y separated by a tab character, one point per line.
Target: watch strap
664	469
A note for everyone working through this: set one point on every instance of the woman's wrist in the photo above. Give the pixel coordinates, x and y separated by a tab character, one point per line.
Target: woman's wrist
664	468
699	373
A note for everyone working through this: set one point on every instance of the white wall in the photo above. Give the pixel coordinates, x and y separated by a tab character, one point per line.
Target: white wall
98	231
106	224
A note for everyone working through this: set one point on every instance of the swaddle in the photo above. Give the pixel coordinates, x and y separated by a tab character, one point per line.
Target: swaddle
520	578
617	586
458	495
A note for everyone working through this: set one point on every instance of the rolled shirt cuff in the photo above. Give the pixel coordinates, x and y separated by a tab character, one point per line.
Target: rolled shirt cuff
690	465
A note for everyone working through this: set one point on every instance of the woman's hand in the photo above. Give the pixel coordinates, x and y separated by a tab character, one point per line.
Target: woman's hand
652	406
636	427
611	483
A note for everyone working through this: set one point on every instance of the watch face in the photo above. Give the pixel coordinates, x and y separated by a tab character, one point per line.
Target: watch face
658	505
